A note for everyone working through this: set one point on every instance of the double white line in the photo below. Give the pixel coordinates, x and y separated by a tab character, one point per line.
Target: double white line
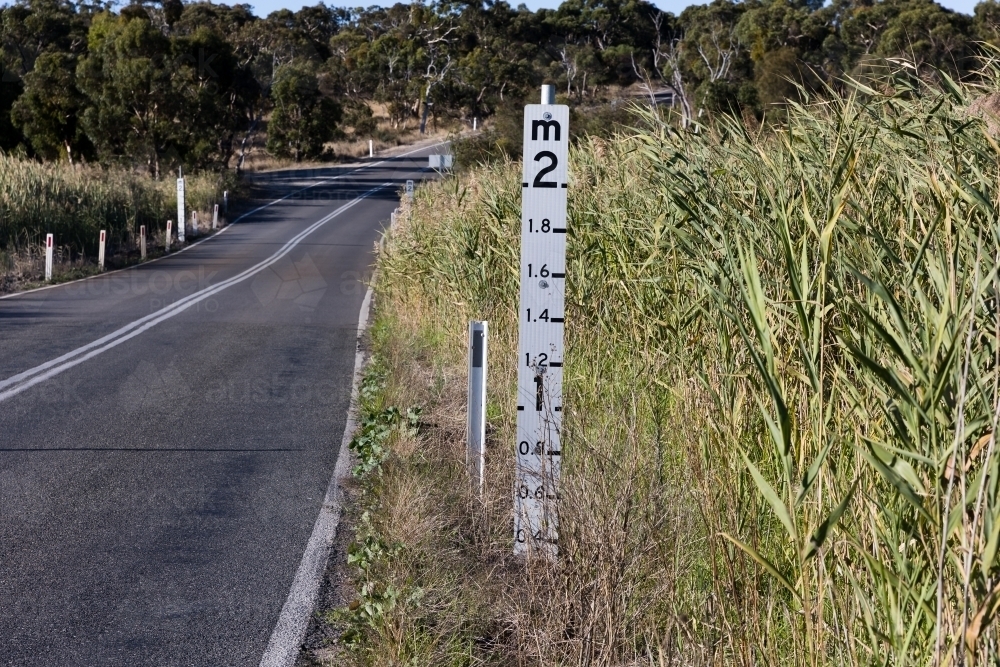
15	384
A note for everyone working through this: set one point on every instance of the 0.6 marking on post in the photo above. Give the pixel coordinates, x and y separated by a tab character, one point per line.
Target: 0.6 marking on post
540	340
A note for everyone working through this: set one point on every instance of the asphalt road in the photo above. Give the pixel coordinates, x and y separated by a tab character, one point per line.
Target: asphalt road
157	490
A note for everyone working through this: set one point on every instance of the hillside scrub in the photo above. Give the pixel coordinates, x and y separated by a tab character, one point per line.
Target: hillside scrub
781	402
205	85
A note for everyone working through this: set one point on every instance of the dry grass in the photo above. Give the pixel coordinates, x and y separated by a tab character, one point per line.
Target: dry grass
456	589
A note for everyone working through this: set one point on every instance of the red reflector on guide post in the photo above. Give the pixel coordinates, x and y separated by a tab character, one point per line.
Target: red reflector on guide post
48	240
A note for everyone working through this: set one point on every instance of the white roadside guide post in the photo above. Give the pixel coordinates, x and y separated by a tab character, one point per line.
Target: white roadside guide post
48	257
475	122
194	224
225	203
540	339
170	230
142	241
181	210
215	217
100	251
476	439
371	148
440	162
409	190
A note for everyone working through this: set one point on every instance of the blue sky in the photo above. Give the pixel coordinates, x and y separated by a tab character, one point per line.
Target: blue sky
265	7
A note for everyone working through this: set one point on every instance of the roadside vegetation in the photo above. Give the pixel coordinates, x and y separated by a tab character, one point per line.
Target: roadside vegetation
781	400
74	203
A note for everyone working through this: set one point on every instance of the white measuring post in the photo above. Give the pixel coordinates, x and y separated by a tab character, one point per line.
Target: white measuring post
166	243
215	217
100	251
409	189
142	241
48	257
181	210
540	338
476	423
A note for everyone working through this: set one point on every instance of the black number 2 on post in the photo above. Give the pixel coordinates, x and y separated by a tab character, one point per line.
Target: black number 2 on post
553	162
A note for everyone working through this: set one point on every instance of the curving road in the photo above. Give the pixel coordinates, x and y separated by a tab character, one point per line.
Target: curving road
168	432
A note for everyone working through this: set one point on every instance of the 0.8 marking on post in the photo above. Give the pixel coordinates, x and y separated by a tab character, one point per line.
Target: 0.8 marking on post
540	340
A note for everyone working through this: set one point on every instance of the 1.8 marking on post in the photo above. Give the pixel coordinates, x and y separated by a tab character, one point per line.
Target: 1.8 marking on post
540	340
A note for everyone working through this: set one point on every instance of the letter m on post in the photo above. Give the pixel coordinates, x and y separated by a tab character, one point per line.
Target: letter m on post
545	125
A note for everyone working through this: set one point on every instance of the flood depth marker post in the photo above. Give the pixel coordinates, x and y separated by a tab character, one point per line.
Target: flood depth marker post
540	339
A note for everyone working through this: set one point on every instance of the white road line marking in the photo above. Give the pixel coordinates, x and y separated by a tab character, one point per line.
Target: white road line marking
49	369
290	630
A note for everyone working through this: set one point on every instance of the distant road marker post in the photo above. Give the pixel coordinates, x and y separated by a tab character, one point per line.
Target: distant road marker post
142	241
409	190
540	336
181	210
48	257
166	243
440	162
215	217
100	251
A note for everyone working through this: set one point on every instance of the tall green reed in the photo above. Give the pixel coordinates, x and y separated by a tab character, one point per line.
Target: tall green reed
74	202
811	314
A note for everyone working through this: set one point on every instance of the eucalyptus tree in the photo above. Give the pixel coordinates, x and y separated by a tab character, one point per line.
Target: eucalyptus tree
48	111
303	118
